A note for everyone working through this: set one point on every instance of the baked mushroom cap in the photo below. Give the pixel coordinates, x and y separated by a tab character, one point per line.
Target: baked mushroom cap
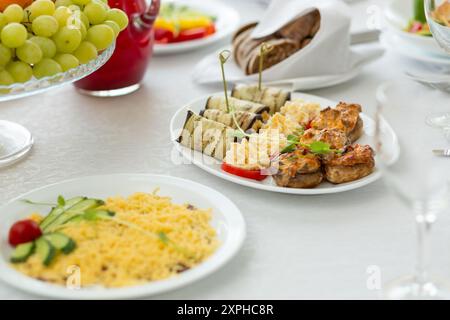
357	162
344	117
299	169
336	138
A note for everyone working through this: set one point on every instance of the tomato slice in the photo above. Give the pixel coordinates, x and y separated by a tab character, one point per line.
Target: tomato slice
24	231
244	173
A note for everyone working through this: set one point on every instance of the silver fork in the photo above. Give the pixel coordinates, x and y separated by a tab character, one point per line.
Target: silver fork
442	152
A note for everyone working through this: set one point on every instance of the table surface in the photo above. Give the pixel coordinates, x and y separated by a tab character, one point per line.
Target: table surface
296	247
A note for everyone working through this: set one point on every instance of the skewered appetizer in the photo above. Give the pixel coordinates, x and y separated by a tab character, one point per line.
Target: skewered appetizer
299	169
355	163
274	98
204	135
288	40
219	103
245	120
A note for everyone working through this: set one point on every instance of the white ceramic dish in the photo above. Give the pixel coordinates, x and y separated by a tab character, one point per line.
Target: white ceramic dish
227	220
213	166
395	43
226	23
398	13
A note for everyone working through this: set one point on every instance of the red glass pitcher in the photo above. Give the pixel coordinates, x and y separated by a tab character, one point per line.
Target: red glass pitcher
124	71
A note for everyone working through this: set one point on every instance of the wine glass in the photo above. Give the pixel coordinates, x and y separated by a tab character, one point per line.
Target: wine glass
418	177
438	18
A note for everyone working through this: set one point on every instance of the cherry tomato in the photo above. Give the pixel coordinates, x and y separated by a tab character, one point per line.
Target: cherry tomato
24	231
244	173
163	35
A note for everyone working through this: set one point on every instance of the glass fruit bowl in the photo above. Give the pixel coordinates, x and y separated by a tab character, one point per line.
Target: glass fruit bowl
33	86
15	140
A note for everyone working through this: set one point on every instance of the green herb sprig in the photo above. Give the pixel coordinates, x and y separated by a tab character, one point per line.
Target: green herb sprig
316	147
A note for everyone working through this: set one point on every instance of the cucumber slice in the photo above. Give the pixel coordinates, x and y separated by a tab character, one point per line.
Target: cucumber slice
56	211
61	242
94	214
74	211
45	251
22	252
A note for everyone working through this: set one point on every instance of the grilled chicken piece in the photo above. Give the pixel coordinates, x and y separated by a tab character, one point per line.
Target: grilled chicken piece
272	97
246	120
209	137
357	162
344	117
298	170
336	138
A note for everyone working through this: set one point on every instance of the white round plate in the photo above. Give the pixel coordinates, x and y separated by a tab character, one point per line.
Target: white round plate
395	43
398	13
213	166
227	220
227	21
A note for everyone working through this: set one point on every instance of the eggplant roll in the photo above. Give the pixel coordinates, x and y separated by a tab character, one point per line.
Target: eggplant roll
207	136
246	120
272	97
218	103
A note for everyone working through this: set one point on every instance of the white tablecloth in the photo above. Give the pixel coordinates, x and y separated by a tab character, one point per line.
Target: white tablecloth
297	247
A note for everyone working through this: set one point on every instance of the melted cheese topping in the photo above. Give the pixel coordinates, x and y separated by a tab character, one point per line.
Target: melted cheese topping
114	255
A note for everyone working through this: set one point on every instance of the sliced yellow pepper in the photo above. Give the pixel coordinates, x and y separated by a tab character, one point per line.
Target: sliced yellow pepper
164	23
186	23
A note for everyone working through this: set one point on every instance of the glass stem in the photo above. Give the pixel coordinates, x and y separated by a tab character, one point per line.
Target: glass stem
424	222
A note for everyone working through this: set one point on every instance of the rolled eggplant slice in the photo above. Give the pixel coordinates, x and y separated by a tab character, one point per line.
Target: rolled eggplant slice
272	97
219	103
246	120
207	136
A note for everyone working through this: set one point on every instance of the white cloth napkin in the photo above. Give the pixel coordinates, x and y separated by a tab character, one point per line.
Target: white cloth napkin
328	55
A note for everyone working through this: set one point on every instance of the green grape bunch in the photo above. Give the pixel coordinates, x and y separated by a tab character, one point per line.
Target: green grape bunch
49	37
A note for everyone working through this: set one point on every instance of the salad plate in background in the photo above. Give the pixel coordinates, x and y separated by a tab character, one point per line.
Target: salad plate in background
406	21
207	22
